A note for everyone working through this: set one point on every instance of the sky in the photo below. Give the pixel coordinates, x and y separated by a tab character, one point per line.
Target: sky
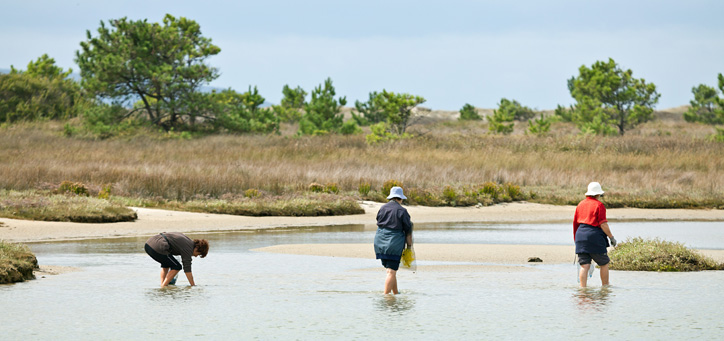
450	52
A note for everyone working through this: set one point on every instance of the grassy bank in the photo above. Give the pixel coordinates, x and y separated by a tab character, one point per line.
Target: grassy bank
47	206
16	263
638	254
662	165
300	206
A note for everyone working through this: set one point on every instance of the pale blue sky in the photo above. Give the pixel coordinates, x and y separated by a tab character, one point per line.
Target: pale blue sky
450	52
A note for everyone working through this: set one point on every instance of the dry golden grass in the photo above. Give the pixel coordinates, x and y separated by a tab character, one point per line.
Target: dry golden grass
661	162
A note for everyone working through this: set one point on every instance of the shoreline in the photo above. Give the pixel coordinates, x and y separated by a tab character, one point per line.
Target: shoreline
153	221
499	254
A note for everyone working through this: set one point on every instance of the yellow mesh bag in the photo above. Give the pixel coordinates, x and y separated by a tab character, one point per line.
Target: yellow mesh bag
408	259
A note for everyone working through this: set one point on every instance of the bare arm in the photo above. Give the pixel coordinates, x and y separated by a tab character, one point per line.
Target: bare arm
408	240
606	230
190	277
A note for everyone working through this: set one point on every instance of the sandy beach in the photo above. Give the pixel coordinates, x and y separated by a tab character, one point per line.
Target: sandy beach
152	221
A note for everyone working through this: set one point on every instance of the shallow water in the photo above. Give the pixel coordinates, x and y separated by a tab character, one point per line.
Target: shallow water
244	294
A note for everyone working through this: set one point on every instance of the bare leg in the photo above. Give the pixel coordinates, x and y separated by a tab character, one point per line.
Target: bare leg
604	275
583	274
169	277
391	282
164	272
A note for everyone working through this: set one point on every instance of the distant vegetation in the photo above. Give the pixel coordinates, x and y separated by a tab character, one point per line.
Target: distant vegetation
16	263
638	254
138	123
67	206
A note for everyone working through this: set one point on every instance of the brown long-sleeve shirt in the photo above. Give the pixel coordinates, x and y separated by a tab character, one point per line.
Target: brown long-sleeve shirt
178	244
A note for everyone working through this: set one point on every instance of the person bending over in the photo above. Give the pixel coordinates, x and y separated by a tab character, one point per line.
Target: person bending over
162	247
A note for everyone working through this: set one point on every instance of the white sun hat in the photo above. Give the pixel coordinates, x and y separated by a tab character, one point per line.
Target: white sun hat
594	188
396	192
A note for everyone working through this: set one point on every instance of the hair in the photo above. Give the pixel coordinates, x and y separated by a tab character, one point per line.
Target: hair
202	245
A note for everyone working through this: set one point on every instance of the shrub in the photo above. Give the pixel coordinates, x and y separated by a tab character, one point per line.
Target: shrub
719	136
105	192
514	191
76	188
381	133
491	189
449	194
349	128
331	188
364	188
104	121
370	112
638	254
252	193
315	187
469	113
41	92
388	185
417	196
539	126
323	113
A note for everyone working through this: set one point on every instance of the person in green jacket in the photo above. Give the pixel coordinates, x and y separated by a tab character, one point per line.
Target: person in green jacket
394	230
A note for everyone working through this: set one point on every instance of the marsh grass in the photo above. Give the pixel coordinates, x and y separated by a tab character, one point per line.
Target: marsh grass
46	206
638	254
661	164
308	205
16	263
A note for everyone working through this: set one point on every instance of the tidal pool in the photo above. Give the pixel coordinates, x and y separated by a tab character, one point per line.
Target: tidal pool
244	294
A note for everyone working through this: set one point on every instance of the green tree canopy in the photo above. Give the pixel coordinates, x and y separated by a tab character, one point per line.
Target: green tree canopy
293	98
162	65
398	109
292	105
613	95
323	112
706	107
502	119
469	113
242	113
44	66
43	91
371	111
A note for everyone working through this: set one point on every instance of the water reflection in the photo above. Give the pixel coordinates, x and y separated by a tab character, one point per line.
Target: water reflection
172	292
592	298
397	304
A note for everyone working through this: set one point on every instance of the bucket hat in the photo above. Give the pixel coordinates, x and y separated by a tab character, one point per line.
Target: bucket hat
396	192
594	188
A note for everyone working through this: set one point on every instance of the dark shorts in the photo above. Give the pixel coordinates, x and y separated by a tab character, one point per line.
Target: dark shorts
391	264
167	261
600	258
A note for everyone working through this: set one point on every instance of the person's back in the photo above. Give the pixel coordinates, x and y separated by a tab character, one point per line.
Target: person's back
590	229
394	230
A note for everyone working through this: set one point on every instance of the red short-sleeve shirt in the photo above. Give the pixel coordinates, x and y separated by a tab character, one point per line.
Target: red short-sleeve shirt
590	212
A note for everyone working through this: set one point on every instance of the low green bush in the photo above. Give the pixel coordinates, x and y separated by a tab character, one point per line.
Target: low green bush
387	186
252	193
69	187
364	188
638	254
315	187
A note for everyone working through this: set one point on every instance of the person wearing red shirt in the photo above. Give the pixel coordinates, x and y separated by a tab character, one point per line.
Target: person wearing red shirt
590	229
